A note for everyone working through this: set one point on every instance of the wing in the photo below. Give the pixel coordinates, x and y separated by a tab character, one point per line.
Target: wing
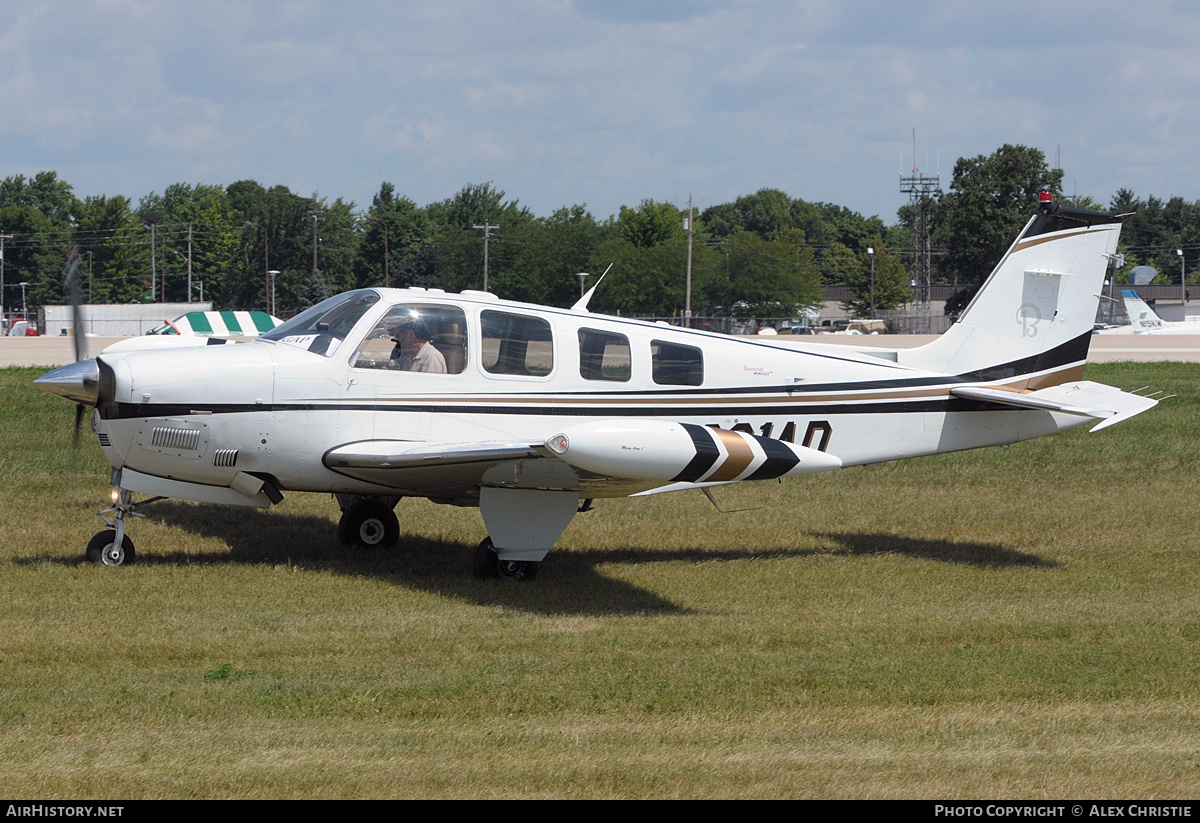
598	458
451	470
1083	398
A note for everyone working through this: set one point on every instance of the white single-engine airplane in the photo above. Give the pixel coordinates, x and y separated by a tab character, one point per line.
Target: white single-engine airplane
529	412
1144	320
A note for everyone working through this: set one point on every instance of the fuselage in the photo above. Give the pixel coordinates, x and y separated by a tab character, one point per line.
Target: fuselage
520	373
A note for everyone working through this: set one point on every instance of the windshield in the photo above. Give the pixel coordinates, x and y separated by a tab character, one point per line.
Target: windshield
322	328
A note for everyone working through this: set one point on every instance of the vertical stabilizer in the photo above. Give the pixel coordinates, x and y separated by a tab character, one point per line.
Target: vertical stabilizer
1141	316
1033	317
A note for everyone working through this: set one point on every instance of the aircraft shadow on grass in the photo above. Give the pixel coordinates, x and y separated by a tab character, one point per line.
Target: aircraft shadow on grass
573	584
982	555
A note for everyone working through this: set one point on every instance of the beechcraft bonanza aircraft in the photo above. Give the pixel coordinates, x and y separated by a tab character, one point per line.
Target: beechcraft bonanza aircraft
530	412
1144	320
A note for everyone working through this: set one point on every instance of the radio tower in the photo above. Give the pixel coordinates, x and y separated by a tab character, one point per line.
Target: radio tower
919	187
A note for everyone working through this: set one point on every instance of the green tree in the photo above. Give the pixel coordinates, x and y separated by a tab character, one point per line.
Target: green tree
52	197
989	201
337	245
477	205
539	260
32	255
39	214
392	233
650	280
650	224
115	254
195	224
839	265
275	235
891	282
766	278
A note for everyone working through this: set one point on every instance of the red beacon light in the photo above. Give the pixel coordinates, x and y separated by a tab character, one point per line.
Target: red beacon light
1045	197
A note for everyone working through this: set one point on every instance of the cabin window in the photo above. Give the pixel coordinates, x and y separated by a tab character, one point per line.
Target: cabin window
603	355
416	337
322	328
676	365
516	344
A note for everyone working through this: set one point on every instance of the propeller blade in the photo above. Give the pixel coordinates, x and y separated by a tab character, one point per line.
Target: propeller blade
79	412
71	287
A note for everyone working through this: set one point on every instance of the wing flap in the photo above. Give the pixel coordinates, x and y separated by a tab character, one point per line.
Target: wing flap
1083	398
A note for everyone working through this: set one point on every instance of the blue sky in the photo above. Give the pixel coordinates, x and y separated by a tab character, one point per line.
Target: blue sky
560	102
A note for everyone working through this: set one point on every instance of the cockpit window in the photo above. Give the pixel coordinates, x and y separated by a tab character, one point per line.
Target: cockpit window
322	328
416	337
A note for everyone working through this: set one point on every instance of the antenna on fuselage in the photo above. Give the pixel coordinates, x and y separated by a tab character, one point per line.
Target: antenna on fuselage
581	304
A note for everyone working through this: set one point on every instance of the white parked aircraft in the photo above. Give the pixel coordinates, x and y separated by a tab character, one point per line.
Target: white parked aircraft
1144	320
530	412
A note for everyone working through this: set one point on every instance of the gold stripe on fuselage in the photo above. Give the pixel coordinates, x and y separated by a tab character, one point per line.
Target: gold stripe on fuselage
740	456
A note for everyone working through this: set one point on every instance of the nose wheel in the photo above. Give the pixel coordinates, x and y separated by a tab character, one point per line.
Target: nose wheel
112	547
105	550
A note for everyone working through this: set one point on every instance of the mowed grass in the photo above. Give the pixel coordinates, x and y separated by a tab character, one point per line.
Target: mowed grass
1017	622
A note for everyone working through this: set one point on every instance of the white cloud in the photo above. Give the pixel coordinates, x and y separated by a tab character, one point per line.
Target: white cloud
598	102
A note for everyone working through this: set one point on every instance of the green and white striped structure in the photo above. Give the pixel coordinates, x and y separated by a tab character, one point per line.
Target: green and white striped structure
219	324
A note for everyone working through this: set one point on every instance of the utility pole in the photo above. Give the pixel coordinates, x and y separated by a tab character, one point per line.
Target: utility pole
153	277
315	218
871	254
687	300
487	235
189	262
689	224
3	237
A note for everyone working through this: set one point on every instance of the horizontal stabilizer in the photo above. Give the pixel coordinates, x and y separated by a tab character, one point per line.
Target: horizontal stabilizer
1084	398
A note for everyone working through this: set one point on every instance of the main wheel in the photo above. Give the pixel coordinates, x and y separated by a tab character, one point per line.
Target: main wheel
102	549
369	524
516	569
483	562
486	565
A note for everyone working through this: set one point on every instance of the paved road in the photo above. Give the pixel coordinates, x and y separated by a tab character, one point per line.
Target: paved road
1105	348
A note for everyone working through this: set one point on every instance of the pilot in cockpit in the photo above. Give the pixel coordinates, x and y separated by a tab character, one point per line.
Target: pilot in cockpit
413	351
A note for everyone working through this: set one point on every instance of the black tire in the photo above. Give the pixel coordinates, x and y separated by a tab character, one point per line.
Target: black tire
369	525
483	562
102	551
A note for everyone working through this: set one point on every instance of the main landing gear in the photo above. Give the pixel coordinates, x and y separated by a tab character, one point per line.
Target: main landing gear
486	565
368	523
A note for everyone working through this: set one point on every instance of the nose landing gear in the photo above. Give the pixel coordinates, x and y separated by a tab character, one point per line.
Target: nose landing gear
112	547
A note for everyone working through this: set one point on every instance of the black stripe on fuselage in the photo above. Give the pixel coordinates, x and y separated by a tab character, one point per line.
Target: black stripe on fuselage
665	409
780	460
706	454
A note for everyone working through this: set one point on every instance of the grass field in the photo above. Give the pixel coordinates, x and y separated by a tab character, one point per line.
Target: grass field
1015	623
